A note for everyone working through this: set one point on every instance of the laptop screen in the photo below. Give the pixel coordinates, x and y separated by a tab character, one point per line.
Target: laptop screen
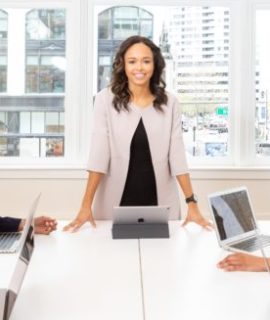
21	267
232	213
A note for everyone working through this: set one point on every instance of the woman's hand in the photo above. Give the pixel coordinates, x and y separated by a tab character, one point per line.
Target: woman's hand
194	215
242	262
84	215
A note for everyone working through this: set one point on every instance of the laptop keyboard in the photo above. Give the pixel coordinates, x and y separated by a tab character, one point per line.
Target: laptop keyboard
252	244
7	240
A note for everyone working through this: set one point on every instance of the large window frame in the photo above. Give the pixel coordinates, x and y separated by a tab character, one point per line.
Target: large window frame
82	28
76	106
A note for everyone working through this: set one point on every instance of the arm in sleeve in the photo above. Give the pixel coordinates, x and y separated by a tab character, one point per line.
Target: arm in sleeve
9	224
99	155
177	154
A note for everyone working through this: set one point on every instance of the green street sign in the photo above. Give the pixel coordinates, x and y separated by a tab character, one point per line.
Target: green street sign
222	111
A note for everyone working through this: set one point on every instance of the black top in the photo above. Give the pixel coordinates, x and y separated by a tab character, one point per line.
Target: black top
140	187
9	224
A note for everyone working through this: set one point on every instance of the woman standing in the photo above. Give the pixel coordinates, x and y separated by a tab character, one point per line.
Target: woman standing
137	154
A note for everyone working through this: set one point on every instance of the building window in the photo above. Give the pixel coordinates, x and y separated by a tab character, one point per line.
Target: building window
3	50
114	25
204	95
262	83
45	51
32	111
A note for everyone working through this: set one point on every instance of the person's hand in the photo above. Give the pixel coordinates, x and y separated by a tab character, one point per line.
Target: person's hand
242	262
44	225
194	215
84	215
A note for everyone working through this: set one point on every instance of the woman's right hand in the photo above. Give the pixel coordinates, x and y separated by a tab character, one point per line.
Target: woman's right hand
84	215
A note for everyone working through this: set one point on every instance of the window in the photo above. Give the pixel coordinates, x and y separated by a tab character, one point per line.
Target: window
32	125
45	51
262	82
205	94
3	51
114	25
54	58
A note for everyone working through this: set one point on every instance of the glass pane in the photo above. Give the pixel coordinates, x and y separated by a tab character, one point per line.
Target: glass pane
32	60
3	79
39	35
116	24
262	83
45	24
52	122
3	50
25	122
126	12
49	58
195	42
146	28
51	80
145	15
55	147
104	61
29	147
3	117
32	79
3	146
61	122
37	122
123	28
104	76
104	27
3	24
3	61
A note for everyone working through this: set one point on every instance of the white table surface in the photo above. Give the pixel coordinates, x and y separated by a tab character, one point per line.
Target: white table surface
181	280
84	275
87	275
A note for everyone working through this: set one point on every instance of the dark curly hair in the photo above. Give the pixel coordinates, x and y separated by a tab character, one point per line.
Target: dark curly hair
119	82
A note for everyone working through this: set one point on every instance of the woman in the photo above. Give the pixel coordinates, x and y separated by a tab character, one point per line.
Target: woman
137	147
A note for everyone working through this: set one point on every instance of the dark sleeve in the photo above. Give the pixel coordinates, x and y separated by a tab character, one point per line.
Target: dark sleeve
9	224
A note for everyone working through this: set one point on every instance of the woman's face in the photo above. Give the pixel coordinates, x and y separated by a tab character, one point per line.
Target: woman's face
139	65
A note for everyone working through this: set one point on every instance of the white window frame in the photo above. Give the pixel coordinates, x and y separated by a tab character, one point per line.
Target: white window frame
77	108
81	20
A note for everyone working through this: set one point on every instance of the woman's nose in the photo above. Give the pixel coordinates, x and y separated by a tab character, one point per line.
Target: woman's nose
139	66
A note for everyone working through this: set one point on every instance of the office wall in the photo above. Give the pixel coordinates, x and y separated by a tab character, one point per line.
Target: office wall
62	190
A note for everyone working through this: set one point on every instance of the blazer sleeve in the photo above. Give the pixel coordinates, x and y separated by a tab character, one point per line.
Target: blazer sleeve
99	155
9	224
177	154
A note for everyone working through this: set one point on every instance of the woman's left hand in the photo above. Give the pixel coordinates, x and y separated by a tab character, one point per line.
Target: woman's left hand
194	215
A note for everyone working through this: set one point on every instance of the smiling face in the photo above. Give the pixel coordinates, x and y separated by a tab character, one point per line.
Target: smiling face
139	65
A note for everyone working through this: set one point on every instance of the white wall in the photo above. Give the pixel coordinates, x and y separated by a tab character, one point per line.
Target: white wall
62	190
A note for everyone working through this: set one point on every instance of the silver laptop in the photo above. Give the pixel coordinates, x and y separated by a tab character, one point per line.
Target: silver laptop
234	220
10	242
141	215
11	281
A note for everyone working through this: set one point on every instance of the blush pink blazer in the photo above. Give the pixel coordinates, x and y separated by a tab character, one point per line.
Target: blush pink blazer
110	148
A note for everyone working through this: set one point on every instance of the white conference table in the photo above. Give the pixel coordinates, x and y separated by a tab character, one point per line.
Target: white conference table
84	275
88	275
181	280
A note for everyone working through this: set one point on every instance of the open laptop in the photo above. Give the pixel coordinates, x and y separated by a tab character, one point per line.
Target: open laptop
140	222
141	215
10	242
13	267
234	220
